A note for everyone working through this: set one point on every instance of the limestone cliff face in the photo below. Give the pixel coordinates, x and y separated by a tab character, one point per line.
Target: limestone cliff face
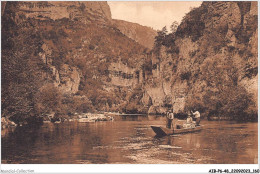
67	78
216	44
210	63
141	34
80	50
122	75
58	10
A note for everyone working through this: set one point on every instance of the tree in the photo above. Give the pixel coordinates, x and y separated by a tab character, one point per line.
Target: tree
224	96
174	26
48	99
161	35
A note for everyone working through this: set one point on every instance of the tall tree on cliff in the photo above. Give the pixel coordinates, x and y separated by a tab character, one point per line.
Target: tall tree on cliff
174	26
161	35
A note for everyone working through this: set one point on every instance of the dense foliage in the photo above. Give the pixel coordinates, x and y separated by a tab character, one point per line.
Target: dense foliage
34	51
20	69
213	75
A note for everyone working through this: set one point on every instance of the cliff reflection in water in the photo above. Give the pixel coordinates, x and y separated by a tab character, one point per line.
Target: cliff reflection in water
130	140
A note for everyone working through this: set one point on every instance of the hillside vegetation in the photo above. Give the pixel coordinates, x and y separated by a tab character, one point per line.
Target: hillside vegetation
59	63
64	57
210	62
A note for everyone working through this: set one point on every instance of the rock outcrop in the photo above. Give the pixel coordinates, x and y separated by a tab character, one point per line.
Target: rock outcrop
6	123
210	63
75	47
57	10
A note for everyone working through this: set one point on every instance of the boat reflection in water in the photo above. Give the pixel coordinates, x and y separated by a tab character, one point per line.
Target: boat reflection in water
129	139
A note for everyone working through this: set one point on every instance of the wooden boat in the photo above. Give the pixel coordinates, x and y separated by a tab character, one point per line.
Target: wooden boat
85	120
163	131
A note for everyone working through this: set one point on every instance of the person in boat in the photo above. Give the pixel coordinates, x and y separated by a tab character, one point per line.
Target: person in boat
170	117
189	123
189	119
196	117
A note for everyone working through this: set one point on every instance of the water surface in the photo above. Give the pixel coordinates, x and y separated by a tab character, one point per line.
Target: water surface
129	139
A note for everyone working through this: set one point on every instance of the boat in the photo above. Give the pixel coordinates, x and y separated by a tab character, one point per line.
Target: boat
85	120
163	131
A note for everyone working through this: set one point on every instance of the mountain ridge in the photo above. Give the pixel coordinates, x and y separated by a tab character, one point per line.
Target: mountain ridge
141	34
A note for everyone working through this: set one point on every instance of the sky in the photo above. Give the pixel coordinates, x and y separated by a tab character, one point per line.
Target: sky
155	14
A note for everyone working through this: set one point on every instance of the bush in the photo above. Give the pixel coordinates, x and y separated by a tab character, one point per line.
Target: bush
185	75
251	72
91	47
235	103
49	99
192	24
192	53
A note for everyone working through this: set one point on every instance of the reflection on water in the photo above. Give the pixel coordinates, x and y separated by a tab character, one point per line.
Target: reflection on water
129	139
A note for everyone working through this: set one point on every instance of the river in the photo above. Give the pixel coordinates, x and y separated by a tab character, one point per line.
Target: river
129	139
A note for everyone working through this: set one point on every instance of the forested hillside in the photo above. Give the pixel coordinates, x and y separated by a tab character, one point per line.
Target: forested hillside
65	57
209	63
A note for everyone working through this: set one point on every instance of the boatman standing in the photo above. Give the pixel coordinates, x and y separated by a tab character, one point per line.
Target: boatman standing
197	117
170	117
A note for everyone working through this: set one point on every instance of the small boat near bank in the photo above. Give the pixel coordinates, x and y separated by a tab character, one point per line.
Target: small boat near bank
86	118
163	131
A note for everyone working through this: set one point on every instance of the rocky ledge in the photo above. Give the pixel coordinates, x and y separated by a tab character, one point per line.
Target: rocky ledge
6	123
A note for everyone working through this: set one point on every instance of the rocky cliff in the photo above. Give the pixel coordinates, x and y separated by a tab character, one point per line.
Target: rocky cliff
210	63
141	34
67	57
84	11
46	16
66	51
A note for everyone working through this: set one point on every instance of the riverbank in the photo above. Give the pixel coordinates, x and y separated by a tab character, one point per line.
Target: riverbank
93	117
